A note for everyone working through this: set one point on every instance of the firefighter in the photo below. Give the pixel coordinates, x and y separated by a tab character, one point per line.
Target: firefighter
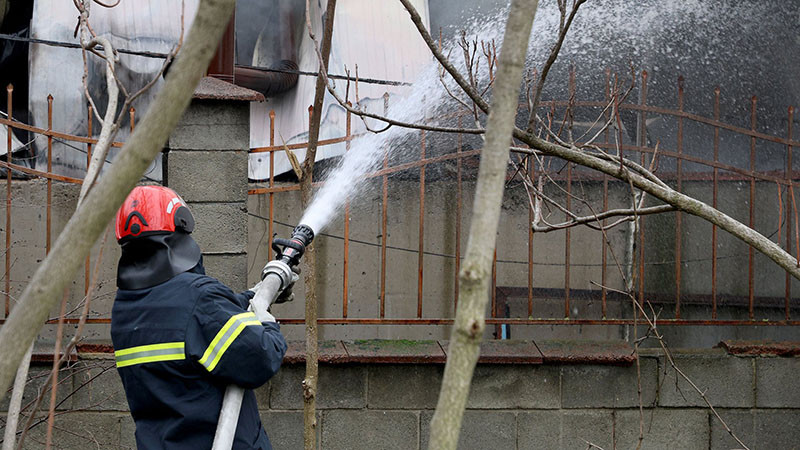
181	337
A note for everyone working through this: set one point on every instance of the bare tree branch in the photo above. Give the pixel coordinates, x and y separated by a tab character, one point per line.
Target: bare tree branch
563	30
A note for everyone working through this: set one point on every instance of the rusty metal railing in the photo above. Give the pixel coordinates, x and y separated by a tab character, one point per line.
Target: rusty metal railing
10	166
716	172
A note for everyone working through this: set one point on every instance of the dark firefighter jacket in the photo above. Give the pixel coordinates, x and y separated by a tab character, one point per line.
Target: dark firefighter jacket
178	345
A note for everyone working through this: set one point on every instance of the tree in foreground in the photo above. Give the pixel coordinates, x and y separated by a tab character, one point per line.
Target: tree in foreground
98	208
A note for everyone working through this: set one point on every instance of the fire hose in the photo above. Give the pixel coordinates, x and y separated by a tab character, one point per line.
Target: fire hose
276	276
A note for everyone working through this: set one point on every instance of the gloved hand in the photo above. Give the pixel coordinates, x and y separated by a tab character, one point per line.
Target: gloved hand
287	295
255	288
267	317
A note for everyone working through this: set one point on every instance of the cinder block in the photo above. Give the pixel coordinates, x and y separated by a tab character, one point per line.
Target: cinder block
593	386
582	426
220	227
127	438
98	387
213	125
284	428
370	429
479	430
756	428
231	270
564	429
539	429
726	380
404	386
777	383
208	176
78	430
498	386
339	387
262	395
741	423
777	429
37	376
663	428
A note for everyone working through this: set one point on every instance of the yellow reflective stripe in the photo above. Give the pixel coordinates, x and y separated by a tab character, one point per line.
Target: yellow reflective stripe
167	351
225	337
225	346
220	334
145	348
148	359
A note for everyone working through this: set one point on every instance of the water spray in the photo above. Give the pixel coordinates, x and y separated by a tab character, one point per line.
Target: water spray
275	278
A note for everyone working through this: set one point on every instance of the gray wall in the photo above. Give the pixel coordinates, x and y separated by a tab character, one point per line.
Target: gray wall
389	406
225	260
512	270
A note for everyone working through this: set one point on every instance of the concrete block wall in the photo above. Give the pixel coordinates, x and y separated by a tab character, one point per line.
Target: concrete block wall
511	406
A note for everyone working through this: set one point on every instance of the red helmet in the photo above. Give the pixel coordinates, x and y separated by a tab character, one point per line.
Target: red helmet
152	210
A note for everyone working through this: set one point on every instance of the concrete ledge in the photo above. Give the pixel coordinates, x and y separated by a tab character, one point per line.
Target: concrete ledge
761	348
492	352
210	88
388	351
586	352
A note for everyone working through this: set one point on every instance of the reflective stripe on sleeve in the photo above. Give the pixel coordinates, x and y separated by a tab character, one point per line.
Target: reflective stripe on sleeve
167	351
225	337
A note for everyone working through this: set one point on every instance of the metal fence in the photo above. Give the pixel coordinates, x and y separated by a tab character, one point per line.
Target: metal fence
10	167
712	172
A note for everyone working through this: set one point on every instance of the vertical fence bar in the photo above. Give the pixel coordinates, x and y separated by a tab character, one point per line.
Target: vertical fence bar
604	249
494	284
271	180
568	231
567	242
751	254
49	170
642	144
88	262
89	119
788	176
678	215
459	194
384	232
714	204
532	173
421	221
346	250
9	133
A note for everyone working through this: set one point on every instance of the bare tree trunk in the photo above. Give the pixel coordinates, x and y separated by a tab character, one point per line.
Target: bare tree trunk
91	218
310	260
474	277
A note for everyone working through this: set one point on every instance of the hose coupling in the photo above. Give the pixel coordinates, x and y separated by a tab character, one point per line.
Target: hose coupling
282	270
